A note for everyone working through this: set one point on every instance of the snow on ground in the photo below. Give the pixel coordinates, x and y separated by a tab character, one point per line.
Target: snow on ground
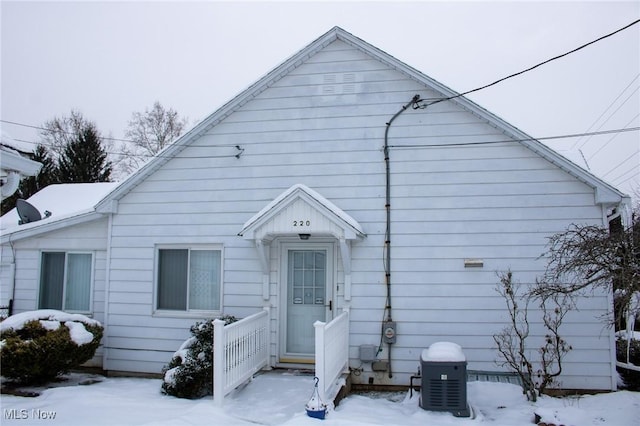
278	399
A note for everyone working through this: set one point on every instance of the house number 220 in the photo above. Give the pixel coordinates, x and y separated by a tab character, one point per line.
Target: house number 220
301	223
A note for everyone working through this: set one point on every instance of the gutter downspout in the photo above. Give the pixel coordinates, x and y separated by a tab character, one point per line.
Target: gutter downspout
10	186
387	239
107	299
12	265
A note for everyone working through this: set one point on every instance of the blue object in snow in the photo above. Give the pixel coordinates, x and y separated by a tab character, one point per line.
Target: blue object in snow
315	407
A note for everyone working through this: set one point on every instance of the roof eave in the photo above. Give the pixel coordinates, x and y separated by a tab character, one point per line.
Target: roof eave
16	234
12	161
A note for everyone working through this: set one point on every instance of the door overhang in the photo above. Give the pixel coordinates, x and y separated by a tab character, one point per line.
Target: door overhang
302	212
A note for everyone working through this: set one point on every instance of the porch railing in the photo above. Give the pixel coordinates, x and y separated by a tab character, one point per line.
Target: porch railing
240	350
332	354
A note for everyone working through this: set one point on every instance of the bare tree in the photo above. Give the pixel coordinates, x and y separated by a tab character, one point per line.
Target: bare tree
60	131
512	340
554	347
587	257
150	132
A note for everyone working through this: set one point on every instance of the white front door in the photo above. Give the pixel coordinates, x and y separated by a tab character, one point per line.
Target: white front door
307	297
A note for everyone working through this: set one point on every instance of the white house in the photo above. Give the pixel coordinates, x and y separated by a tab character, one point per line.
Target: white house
326	185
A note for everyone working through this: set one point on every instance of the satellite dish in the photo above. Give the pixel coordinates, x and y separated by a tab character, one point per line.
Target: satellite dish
27	212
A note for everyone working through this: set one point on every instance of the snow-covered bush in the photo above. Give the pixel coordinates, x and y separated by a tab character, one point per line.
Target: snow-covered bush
38	346
190	372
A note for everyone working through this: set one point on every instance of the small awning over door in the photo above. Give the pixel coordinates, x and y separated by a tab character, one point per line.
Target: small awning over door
301	211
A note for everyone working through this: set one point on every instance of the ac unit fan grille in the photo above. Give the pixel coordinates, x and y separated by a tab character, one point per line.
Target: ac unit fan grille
444	394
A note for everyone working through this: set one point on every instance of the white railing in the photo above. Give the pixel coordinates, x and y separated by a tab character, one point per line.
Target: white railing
240	349
332	354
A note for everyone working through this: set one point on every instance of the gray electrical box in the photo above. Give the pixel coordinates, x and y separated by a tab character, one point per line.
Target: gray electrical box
444	379
368	353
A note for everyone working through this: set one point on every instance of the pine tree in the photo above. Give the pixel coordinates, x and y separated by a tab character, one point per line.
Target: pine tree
83	159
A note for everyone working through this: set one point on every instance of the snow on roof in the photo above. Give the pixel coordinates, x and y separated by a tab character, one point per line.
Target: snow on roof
62	200
8	141
443	352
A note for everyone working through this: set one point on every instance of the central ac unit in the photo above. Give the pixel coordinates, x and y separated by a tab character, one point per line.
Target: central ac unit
444	379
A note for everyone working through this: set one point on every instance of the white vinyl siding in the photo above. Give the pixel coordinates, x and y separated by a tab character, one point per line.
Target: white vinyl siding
495	202
66	281
189	279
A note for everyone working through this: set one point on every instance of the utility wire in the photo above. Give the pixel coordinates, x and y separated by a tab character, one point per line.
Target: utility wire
416	102
611	139
575	135
621	163
567	136
607	109
629	178
15	123
419	100
149	156
612	114
530	68
623	175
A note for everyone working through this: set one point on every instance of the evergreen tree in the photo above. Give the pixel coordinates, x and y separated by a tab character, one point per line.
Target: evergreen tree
83	159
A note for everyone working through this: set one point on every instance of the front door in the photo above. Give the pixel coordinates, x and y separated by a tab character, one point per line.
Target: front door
308	276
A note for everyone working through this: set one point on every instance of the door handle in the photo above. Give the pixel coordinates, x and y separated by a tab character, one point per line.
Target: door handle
330	305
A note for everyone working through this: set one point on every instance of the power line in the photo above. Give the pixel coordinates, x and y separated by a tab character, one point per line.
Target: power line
607	109
621	163
623	175
149	156
58	130
416	106
566	136
420	100
612	114
629	178
574	135
612	138
528	69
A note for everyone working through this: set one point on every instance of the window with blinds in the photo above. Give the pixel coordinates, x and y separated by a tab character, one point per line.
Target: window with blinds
66	281
189	279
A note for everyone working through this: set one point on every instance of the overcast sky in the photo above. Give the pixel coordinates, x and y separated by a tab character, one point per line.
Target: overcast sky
109	59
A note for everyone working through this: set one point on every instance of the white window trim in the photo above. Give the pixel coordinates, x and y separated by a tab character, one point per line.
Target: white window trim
64	279
193	313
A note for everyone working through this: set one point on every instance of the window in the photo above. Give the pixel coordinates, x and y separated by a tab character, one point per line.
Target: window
189	279
65	281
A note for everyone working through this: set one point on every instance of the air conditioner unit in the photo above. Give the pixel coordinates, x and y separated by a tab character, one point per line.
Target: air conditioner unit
444	379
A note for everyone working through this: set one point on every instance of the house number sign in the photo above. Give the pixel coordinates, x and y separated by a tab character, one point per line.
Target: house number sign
301	223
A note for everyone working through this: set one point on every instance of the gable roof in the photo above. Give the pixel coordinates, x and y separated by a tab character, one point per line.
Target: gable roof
325	217
604	193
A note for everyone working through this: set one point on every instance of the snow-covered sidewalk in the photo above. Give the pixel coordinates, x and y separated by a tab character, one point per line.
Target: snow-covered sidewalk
278	398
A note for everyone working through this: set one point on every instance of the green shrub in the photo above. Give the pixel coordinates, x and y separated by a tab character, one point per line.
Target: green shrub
631	378
35	354
190	372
